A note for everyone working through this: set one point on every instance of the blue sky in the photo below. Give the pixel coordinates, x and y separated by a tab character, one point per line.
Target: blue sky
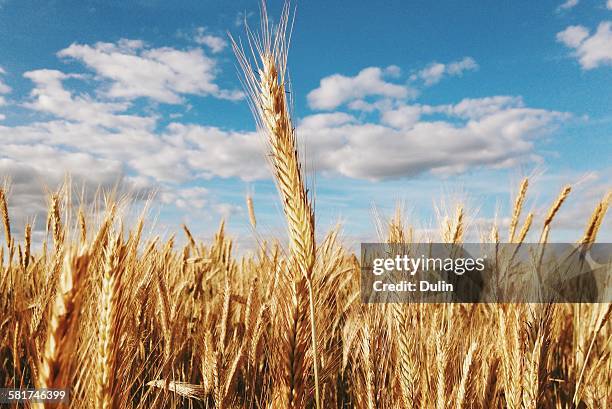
413	101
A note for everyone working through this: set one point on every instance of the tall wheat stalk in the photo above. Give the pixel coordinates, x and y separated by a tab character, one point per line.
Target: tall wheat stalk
265	83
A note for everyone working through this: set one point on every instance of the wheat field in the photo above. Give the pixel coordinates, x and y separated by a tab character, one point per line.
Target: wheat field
128	321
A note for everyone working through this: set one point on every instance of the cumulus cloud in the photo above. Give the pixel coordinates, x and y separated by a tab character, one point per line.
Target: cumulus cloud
609	4
403	117
457	67
101	142
492	132
49	95
475	108
225	210
378	105
400	115
326	120
162	74
573	36
434	72
211	151
215	43
374	83
338	89
591	50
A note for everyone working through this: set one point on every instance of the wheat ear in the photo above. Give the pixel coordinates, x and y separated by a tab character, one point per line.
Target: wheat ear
251	209
406	364
107	324
518	206
553	211
28	245
590	233
467	372
10	246
5	217
63	314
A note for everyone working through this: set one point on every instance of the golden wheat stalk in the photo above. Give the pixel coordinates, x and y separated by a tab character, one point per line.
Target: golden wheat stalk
265	83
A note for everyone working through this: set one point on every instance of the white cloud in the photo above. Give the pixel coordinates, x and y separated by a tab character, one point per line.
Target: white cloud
593	50
609	4
399	115
210	151
225	210
573	36
338	89
50	96
378	105
326	120
475	108
568	4
457	67
498	132
215	43
403	117
193	198
45	159
162	74
493	132
434	72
